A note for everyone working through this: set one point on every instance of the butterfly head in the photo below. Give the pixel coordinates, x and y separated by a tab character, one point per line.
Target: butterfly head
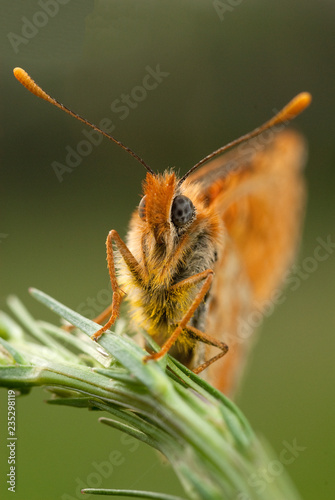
164	210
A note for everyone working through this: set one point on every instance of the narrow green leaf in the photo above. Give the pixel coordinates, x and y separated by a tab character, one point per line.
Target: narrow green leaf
202	433
76	402
16	355
81	344
131	493
30	324
12	330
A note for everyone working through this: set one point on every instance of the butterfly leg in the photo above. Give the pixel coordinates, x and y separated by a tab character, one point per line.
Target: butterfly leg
207	278
209	340
118	294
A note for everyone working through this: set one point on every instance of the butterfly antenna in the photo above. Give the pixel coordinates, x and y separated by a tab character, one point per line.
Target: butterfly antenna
23	77
290	111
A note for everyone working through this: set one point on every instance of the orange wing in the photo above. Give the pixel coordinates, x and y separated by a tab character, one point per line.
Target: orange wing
259	189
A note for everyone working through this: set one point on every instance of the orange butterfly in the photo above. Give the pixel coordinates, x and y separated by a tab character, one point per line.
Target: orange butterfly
206	251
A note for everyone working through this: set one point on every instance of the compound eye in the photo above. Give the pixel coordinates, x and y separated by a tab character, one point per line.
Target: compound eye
141	208
182	210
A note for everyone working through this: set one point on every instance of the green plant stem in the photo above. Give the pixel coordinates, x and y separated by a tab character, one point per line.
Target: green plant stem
205	437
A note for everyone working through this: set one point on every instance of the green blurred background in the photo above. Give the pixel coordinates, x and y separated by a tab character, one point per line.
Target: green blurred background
227	72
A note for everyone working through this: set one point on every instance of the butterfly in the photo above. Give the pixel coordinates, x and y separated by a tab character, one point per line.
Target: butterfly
206	252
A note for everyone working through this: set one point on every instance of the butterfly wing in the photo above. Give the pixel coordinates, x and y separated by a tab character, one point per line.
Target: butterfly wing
259	190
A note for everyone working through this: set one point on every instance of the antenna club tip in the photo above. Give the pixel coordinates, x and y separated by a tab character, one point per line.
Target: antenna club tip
20	74
299	103
305	98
